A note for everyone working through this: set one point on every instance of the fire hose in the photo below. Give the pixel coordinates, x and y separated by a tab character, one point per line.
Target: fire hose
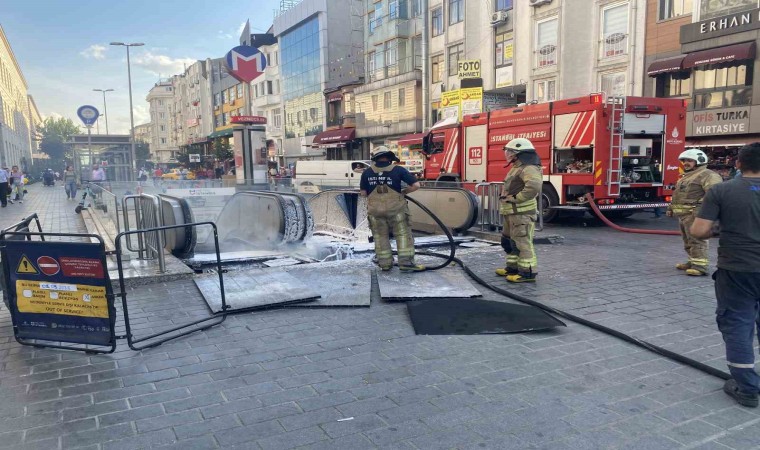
617	227
566	315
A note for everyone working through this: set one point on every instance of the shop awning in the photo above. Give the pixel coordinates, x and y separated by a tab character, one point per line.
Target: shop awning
221	133
333	137
411	139
722	141
334	97
736	52
666	65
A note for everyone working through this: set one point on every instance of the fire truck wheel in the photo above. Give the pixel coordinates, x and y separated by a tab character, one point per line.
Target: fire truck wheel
549	198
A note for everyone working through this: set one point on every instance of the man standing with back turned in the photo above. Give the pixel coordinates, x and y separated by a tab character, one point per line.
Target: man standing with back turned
736	204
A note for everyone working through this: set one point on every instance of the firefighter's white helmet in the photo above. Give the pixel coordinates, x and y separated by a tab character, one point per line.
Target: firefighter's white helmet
695	154
382	150
519	145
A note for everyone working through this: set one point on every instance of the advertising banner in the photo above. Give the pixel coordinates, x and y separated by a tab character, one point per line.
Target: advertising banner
450	104
59	291
471	100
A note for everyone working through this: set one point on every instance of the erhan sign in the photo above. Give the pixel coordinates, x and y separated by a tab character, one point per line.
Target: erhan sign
721	26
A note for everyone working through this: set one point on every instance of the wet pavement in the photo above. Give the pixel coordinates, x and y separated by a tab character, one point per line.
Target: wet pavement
354	378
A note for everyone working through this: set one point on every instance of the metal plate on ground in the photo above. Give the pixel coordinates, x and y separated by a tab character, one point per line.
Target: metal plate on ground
281	262
476	244
475	316
449	282
255	289
340	283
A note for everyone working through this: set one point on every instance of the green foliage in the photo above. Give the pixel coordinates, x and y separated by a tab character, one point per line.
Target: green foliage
222	150
55	132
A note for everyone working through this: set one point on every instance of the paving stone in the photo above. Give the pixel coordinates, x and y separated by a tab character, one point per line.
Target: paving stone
169	420
249	433
693	432
143	440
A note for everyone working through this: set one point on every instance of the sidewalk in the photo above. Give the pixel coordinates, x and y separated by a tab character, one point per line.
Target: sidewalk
56	213
360	378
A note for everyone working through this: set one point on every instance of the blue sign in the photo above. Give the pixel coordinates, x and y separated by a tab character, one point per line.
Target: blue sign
88	114
59	291
245	63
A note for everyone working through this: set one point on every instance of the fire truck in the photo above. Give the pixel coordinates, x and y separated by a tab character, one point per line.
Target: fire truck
621	150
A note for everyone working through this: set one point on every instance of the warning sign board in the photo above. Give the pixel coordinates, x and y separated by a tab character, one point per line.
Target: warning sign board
26	266
59	291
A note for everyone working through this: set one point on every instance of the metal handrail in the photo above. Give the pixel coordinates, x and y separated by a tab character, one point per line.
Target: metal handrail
148	216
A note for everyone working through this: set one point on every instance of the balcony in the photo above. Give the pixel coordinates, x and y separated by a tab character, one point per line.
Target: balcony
616	44
345	121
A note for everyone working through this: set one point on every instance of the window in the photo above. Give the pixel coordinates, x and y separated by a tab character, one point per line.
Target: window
393	9
224	96
160	103
378	13
374	103
379	57
240	90
503	5
615	31
163	140
723	85
673	8
546	42
456	52
437	21
436	67
456	11
371	22
160	115
256	90
277	118
416	8
545	90
269	87
217	99
371	64
434	109
387	100
391	53
676	84
162	128
401	97
504	49
613	84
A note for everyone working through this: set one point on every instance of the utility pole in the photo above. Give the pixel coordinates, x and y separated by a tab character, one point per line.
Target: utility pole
425	65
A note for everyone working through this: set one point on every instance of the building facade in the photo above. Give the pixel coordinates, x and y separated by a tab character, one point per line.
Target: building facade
15	126
35	122
163	142
229	98
193	120
321	48
143	133
710	63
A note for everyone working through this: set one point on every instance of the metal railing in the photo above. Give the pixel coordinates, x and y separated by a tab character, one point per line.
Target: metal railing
147	215
105	200
489	202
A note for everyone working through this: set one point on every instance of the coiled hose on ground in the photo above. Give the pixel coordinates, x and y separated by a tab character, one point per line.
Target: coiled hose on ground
572	317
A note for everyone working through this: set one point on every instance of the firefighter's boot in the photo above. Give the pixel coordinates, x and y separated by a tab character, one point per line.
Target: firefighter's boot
697	271
506	271
411	267
523	277
683	266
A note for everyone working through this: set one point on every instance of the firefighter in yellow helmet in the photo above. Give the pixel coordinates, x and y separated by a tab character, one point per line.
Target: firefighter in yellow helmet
696	180
387	209
519	203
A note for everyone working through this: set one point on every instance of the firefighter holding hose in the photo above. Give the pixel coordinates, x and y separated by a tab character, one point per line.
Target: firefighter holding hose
387	209
696	180
519	194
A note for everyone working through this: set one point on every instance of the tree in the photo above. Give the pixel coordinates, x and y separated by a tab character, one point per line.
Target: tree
222	150
142	153
55	132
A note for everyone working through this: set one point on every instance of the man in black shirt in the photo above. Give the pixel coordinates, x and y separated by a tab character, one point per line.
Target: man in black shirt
736	204
387	209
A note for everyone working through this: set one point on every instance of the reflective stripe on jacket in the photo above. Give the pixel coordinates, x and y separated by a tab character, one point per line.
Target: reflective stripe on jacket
523	182
691	189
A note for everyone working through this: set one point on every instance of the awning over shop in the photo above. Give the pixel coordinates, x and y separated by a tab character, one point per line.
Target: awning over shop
334	137
666	65
722	141
221	133
334	97
411	139
736	52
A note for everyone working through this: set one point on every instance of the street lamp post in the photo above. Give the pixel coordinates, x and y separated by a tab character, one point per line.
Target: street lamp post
105	108
131	115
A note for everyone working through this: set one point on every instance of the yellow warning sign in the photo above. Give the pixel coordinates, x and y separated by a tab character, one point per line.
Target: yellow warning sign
58	298
26	266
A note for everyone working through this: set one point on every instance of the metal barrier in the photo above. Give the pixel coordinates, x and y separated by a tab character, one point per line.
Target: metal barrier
105	200
488	210
148	215
24	226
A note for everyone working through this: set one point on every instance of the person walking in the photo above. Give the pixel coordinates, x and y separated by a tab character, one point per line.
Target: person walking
98	174
690	189
17	185
387	209
519	205
4	187
70	182
736	205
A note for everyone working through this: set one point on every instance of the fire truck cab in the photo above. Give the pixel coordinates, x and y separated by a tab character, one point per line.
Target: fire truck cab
622	150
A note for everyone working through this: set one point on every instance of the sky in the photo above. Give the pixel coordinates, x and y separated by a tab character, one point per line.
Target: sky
62	47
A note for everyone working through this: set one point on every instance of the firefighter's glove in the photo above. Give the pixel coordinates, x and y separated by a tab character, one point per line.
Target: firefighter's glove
509	199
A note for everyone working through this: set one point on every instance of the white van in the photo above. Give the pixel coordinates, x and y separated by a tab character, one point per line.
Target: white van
313	176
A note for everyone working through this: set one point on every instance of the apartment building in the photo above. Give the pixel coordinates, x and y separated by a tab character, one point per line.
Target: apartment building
320	48
35	122
163	144
193	120
15	126
705	52
229	98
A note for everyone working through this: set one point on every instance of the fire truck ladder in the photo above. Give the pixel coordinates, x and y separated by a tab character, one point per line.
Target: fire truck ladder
615	171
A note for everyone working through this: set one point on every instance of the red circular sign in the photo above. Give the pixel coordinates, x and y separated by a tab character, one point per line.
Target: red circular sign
49	266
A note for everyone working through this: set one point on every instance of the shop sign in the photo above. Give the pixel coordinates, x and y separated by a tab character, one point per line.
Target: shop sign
720	121
721	26
469	68
504	77
250	120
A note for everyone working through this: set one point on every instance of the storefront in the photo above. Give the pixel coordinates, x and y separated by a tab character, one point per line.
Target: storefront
340	144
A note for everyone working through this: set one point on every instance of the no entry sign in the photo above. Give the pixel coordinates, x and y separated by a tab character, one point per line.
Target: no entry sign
48	265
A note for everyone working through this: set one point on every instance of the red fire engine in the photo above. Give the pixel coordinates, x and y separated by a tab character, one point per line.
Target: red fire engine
622	150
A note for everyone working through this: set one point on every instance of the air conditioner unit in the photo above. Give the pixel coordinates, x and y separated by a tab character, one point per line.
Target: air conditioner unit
539	2
498	17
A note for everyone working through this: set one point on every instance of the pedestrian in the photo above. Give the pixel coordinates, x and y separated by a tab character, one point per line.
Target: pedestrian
518	207
98	174
690	189
4	187
736	205
70	181
387	209
142	176
18	184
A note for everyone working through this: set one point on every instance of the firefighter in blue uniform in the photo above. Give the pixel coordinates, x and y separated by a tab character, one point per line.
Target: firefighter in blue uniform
387	209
